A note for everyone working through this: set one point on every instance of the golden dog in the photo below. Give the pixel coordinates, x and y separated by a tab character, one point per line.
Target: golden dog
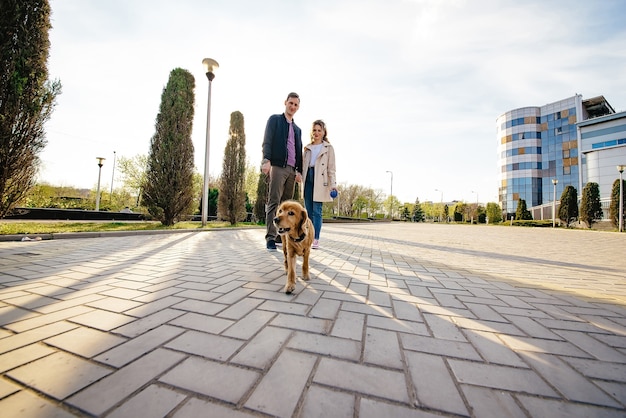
296	232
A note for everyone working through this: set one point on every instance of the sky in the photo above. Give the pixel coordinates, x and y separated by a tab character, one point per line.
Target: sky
410	90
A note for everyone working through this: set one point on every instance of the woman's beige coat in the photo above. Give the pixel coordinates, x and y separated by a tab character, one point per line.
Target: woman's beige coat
325	179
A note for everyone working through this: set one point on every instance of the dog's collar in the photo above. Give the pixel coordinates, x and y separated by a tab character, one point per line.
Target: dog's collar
300	238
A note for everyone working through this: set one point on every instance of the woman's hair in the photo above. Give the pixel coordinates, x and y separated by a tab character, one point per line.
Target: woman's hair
323	126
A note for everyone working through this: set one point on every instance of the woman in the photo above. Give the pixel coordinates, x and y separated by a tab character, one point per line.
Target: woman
318	168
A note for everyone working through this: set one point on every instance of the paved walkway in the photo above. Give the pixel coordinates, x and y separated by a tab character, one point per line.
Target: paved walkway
399	320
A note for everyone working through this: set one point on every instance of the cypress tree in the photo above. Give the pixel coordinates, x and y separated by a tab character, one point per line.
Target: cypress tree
168	190
590	206
232	197
522	213
568	208
614	205
27	98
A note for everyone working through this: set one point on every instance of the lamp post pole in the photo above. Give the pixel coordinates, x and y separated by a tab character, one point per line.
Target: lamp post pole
100	159
554	183
112	179
210	65
391	197
620	168
476	208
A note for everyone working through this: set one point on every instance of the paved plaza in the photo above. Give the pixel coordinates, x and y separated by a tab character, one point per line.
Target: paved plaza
398	320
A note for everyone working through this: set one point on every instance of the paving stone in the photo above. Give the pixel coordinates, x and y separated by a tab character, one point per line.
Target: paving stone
443	328
7	388
393	324
204	323
152	402
539	407
197	408
138	346
325	308
488	326
24	355
85	342
492	403
492	350
113	304
103	320
316	325
200	306
319	401
108	392
209	378
382	348
349	325
154	306
260	351
26	404
370	408
34	335
367	380
599	369
49	319
139	326
43	374
281	387
205	345
567	381
593	346
326	345
434	385
533	328
246	327
542	346
500	377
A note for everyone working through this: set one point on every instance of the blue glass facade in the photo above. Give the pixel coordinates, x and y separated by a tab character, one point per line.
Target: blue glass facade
536	145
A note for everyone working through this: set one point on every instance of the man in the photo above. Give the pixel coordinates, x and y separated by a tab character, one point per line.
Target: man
282	162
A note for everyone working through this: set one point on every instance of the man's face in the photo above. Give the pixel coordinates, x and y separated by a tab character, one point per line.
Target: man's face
291	106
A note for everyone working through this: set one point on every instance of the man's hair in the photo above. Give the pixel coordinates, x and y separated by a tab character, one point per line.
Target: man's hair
294	95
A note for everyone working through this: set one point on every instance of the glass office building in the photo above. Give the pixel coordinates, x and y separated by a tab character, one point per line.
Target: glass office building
538	144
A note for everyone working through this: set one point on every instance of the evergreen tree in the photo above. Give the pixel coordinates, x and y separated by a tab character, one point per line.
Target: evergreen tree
494	213
418	212
27	98
614	206
590	207
232	198
522	213
261	198
168	189
568	207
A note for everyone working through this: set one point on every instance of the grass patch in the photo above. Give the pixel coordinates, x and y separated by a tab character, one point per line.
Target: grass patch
54	227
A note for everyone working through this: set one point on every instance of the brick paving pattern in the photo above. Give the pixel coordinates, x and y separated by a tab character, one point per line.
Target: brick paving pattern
398	320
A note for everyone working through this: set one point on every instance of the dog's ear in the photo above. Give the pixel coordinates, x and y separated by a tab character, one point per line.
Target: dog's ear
303	217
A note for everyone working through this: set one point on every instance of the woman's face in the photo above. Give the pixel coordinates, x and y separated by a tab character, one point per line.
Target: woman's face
317	132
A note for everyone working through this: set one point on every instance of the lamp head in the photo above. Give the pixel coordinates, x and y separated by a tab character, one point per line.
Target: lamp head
210	65
100	159
620	168
555	181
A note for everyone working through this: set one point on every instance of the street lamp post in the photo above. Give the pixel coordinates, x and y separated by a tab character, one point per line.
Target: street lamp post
210	65
391	197
100	159
620	168
554	183
112	178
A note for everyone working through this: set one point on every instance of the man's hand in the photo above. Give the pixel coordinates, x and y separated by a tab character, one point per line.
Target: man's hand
265	168
298	177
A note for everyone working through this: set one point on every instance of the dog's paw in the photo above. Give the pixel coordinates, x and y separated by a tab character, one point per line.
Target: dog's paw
306	278
290	288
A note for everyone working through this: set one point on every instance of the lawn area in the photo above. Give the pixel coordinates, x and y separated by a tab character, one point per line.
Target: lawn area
55	227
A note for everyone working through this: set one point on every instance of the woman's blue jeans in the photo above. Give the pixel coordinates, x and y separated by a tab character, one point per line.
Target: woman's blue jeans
314	209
